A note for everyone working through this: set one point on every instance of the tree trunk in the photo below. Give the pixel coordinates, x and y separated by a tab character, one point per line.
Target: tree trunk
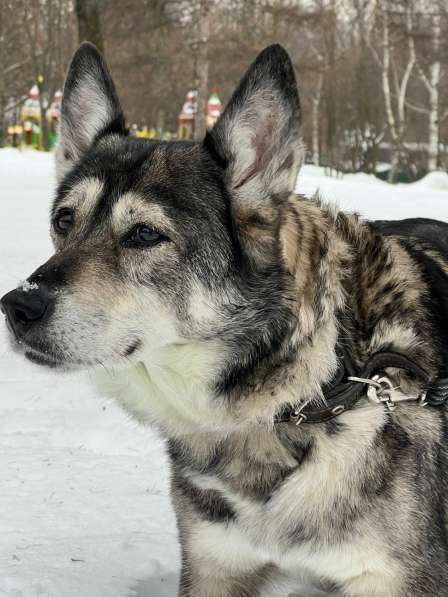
2	130
433	90
44	93
160	127
45	141
315	132
2	114
433	149
2	78
315	121
89	23
395	162
202	71
396	120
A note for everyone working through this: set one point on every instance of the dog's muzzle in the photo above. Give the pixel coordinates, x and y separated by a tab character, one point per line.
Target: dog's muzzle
23	308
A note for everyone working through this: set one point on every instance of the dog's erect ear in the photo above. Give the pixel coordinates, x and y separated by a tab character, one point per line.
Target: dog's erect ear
90	106
257	138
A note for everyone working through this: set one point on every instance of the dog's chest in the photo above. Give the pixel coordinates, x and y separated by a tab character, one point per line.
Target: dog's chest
294	529
301	515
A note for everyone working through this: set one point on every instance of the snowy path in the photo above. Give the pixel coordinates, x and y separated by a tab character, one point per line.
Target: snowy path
84	506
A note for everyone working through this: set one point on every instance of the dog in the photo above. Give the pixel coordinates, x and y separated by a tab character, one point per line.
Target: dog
285	349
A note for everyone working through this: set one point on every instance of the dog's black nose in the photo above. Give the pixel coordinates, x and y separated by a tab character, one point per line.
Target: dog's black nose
24	307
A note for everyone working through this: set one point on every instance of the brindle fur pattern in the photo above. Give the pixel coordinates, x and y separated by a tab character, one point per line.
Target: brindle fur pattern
234	315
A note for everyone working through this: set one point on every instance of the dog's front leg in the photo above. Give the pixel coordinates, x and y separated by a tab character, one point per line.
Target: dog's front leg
204	579
217	561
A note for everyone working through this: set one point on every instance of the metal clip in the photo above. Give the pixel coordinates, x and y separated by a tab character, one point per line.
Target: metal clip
422	399
297	416
381	391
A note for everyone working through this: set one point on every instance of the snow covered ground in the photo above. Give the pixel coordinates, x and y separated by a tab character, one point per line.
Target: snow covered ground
84	505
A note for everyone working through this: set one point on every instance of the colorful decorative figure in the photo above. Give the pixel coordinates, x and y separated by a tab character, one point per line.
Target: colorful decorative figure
187	116
30	117
214	108
53	115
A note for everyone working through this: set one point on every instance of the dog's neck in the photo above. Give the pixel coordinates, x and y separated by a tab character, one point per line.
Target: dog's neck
351	286
317	260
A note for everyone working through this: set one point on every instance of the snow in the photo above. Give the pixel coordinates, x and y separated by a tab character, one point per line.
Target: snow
376	199
84	500
27	286
434	180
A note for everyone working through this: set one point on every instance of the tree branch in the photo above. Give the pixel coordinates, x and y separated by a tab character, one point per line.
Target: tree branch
417	108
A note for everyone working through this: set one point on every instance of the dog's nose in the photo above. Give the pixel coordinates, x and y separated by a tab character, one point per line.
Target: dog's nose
24	307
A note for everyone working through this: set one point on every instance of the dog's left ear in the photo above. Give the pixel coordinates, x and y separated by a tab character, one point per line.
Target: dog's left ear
257	138
90	107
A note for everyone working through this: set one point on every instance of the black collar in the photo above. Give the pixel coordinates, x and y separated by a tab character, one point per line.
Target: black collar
343	392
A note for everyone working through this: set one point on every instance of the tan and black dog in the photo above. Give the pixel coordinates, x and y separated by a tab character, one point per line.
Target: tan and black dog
238	317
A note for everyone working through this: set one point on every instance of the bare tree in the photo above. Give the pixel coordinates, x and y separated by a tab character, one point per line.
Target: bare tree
15	78
369	71
314	63
89	23
202	68
396	67
149	51
430	71
316	101
49	29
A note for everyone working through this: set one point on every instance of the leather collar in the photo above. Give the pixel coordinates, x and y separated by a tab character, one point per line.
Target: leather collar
351	383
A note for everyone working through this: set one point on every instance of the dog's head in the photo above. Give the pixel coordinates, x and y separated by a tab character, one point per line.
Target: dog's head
164	244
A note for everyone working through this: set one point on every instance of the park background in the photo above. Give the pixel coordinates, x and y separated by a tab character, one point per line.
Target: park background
373	74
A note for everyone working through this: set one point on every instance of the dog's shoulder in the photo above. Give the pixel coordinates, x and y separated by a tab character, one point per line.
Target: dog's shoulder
426	230
426	241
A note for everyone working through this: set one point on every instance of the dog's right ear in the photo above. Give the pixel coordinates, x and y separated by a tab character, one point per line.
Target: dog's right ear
90	107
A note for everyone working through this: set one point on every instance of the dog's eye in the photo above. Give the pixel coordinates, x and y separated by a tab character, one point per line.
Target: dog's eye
63	221
143	236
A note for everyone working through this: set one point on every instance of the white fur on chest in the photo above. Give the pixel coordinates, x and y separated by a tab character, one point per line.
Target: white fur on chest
238	551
